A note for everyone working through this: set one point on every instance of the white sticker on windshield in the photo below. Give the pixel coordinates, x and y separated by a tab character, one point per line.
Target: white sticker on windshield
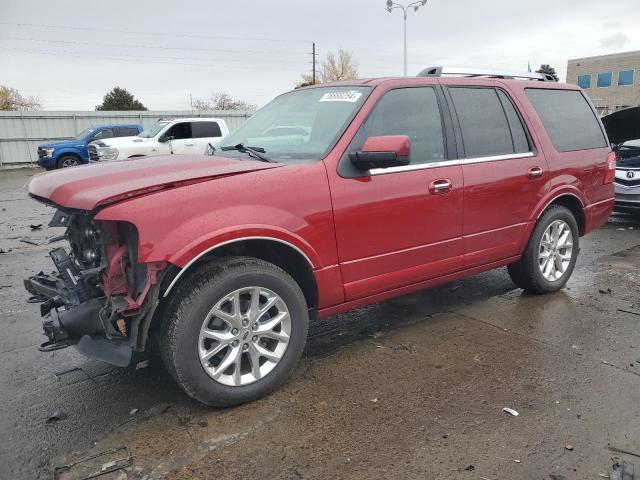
351	96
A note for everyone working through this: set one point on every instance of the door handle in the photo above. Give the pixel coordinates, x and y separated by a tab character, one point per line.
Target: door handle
535	172
440	186
188	144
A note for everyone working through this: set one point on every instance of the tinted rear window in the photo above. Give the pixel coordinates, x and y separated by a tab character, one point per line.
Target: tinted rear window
484	125
126	132
205	129
568	119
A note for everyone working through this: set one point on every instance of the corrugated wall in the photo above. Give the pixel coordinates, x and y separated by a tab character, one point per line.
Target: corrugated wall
22	132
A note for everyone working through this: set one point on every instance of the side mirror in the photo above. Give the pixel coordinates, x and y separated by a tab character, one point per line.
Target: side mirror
382	152
165	138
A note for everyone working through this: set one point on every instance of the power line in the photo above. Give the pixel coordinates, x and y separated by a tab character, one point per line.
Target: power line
162	34
160	47
141	59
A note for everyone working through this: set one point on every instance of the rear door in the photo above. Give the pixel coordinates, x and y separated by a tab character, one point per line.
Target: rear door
205	132
393	228
504	177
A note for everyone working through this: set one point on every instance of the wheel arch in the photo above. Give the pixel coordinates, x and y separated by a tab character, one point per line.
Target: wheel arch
571	201
68	153
274	250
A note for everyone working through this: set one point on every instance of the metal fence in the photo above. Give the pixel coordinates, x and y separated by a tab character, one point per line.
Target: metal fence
21	132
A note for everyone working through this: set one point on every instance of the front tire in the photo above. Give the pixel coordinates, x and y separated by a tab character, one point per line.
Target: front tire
67	161
551	254
234	330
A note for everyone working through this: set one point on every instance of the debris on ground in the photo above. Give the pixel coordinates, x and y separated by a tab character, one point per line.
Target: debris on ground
142	364
374	400
557	477
56	416
622	471
470	468
510	411
203	423
35	227
133	411
568	447
29	241
605	291
620	450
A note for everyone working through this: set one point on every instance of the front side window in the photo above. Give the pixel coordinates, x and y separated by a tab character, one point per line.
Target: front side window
568	119
483	122
179	131
314	118
626	77
584	81
205	129
102	134
407	111
604	79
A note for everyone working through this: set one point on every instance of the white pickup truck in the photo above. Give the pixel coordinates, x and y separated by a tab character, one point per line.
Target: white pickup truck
183	136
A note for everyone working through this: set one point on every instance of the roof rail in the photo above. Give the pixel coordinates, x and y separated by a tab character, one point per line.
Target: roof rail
480	72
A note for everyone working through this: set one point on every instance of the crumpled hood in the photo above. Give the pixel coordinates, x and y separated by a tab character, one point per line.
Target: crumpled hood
623	125
88	187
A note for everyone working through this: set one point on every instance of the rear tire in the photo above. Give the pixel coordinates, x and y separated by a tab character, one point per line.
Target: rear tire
551	254
222	354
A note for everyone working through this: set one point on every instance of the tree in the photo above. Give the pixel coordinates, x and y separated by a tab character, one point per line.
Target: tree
222	101
10	99
548	70
334	68
120	99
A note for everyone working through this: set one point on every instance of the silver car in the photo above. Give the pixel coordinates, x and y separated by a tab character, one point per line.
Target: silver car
623	129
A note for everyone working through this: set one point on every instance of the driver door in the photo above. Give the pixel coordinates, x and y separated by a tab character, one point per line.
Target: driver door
182	142
393	228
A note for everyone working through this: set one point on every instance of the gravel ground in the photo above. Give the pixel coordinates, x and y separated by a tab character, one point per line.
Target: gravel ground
409	388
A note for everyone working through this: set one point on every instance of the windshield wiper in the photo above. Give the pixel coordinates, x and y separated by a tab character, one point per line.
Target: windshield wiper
256	152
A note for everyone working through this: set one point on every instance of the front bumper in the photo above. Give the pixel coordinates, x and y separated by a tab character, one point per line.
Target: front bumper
47	162
72	317
627	196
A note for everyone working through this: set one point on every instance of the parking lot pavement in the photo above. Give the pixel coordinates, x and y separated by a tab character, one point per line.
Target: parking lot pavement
409	388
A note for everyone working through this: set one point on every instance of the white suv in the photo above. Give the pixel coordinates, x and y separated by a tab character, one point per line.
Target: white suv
185	136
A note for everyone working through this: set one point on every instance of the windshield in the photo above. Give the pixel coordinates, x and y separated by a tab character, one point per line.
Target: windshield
84	133
153	131
299	125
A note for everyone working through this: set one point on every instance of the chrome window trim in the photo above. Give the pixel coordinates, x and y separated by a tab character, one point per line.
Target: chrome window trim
449	163
218	245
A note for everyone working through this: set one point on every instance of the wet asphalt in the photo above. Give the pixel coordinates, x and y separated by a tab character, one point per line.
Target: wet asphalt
408	388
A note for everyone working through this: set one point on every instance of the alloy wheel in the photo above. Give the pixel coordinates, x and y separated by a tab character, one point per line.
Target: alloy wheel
244	336
556	249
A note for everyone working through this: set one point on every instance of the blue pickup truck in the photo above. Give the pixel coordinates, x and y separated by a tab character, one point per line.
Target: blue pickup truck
69	153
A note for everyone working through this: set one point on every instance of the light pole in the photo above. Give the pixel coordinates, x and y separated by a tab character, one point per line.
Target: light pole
405	8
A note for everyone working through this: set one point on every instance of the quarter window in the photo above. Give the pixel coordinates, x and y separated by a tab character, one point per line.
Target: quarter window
568	119
626	77
584	81
407	111
484	124
205	129
604	79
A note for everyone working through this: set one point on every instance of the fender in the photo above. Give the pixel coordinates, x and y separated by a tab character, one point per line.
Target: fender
544	203
218	242
554	195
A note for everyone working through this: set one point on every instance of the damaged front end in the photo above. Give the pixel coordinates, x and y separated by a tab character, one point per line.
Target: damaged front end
99	298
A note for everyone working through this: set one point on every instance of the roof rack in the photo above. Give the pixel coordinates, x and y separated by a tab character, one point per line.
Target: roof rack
480	72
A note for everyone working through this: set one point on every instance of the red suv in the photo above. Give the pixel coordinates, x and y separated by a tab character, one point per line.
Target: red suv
329	198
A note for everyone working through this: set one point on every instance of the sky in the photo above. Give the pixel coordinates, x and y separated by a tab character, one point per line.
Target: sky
70	53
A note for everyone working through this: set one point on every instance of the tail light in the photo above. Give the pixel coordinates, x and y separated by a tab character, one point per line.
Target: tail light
610	173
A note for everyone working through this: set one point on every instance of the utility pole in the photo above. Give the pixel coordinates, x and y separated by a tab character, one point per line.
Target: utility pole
313	54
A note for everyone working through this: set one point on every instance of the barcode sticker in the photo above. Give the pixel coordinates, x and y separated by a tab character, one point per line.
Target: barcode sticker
344	96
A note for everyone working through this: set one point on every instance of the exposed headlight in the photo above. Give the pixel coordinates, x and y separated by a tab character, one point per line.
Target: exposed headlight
108	153
48	152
